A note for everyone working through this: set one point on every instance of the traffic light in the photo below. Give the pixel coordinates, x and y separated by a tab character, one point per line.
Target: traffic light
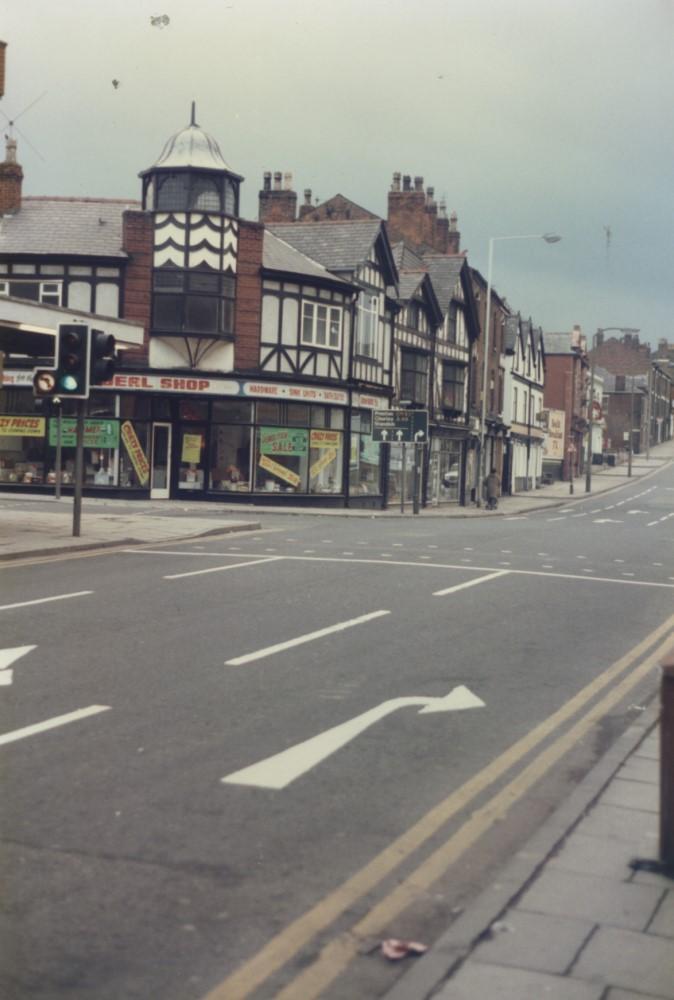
73	343
101	357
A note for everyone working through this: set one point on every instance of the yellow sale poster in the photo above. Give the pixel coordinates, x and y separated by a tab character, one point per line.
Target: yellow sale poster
328	456
279	470
191	453
136	453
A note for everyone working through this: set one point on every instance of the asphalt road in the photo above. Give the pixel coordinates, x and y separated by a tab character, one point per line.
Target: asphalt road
132	869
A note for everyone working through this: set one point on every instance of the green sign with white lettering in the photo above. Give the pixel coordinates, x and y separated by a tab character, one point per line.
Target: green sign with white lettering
97	433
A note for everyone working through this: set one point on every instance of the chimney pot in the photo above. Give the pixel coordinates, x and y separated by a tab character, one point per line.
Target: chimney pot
407	181
396	182
418	183
307	196
288	181
278	177
267	180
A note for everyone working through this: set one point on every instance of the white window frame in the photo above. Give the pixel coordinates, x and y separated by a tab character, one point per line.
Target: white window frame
367	322
50	292
321	325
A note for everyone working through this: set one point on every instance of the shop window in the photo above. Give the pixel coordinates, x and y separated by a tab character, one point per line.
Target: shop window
320	416
297	415
269	413
193	409
230	458
22	448
191	470
161	408
281	459
364	456
325	461
230	411
134	406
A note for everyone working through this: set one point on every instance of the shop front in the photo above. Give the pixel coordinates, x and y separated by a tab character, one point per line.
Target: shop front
170	437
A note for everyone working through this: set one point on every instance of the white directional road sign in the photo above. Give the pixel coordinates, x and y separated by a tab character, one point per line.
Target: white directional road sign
400	426
283	768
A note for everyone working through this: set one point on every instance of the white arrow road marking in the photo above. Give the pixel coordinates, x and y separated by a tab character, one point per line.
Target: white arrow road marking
7	657
470	583
59	720
283	768
45	600
309	637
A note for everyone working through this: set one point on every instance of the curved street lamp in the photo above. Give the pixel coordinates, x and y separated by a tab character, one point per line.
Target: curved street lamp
549	238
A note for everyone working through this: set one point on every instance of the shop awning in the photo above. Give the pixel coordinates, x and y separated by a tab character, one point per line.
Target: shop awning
29	328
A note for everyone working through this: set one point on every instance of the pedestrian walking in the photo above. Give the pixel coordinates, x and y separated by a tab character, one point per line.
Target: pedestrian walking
492	485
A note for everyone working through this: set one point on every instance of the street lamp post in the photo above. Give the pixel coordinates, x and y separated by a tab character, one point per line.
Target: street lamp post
549	238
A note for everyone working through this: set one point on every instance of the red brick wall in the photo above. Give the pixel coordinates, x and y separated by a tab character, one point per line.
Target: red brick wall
137	238
623	357
11	177
248	312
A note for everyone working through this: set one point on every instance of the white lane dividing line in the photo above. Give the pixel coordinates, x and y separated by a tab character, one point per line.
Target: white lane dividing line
301	639
59	720
46	600
470	583
556	519
221	569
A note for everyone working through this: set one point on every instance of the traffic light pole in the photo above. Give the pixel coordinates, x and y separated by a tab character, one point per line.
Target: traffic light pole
79	470
57	471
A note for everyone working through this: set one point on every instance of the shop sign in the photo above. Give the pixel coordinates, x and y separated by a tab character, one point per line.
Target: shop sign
326	439
15	378
191	453
327	458
369	402
22	426
279	470
282	441
136	453
298	393
97	433
203	386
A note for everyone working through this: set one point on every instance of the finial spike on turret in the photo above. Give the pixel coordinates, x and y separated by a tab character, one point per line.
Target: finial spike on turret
194	112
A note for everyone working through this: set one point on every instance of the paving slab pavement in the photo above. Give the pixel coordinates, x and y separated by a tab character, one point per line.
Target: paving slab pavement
580	922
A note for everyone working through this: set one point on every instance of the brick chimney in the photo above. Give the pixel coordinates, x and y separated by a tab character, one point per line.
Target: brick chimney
414	216
454	236
279	204
11	178
307	207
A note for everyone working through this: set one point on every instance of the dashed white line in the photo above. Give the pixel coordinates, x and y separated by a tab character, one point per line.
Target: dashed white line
469	583
221	569
628	574
556	519
301	639
46	600
59	720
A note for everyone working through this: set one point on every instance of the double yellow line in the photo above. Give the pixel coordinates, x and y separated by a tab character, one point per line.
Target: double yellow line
338	953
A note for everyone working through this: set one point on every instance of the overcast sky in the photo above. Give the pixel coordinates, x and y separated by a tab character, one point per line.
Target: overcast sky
528	116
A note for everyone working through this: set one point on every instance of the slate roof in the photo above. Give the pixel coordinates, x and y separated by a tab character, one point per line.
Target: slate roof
408	284
445	272
406	259
83	227
277	255
339	246
511	332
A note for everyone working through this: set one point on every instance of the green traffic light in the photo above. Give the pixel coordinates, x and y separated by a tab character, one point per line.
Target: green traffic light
68	383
